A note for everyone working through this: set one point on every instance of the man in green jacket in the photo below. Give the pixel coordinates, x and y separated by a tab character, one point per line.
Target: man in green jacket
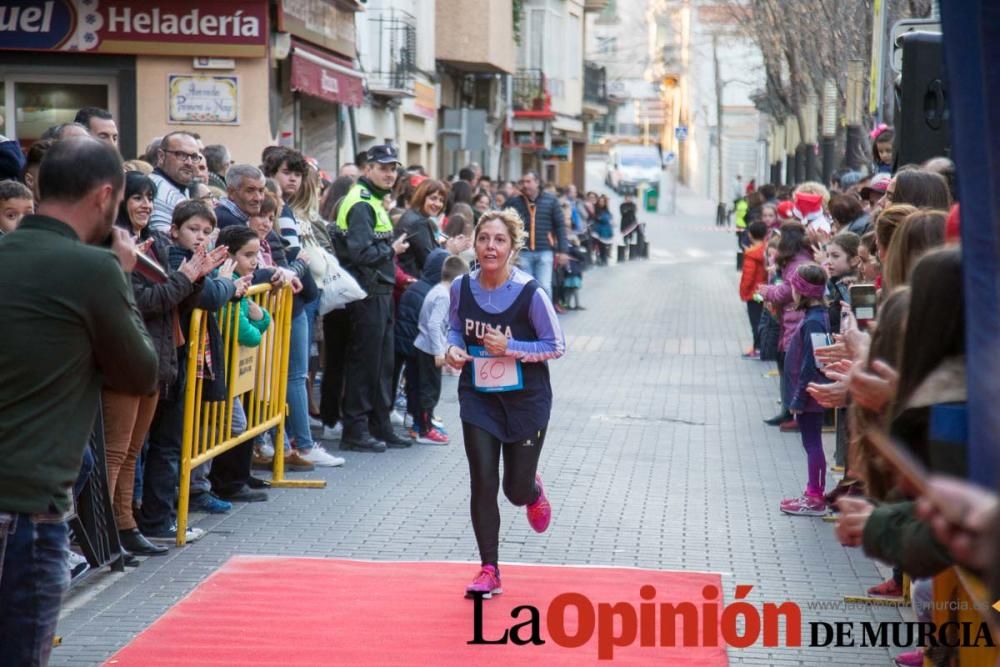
70	327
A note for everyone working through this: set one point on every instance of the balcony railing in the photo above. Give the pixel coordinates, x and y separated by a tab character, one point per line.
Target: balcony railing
393	53
595	90
532	98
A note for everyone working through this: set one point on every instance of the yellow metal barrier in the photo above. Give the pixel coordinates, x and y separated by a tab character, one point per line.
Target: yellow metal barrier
258	377
961	598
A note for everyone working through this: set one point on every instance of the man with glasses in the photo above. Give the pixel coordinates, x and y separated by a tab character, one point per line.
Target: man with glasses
178	165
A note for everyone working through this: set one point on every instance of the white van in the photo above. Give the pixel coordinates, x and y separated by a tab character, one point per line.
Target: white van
629	165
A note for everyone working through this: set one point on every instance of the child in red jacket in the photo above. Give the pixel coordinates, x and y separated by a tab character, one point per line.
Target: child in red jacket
753	275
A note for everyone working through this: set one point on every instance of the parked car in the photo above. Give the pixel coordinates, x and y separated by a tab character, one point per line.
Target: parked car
629	165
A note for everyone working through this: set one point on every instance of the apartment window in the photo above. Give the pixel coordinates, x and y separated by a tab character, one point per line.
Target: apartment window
574	59
536	39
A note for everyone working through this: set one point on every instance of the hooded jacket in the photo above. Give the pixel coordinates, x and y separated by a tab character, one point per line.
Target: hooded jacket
408	312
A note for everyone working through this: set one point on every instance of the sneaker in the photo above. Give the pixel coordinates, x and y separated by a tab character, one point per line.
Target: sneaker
334	432
540	511
319	456
266	448
432	437
888	588
396	418
438	423
910	658
296	462
804	506
315	422
169	536
486	583
77	564
207	502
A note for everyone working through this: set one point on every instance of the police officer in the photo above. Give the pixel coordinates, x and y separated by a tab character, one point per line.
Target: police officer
367	249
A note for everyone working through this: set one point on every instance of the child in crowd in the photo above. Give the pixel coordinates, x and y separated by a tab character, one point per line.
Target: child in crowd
808	284
869	268
754	273
15	203
407	325
841	263
882	157
243	245
424	367
190	229
810	204
262	223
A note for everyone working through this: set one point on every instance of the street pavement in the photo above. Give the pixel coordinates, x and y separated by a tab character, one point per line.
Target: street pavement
656	457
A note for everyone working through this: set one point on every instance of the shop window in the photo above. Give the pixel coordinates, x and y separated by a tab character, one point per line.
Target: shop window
413	153
41	105
38	106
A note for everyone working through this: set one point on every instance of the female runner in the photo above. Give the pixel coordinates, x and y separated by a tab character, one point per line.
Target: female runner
503	329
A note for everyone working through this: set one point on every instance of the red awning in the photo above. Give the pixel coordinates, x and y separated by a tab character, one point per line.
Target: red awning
325	75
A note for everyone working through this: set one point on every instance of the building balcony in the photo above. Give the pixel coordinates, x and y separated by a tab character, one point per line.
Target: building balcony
595	5
532	97
483	41
393	53
595	91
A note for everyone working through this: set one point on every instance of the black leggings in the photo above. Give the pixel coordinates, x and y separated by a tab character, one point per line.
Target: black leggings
520	461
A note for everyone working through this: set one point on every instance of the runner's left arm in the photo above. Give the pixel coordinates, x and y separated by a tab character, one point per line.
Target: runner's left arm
551	343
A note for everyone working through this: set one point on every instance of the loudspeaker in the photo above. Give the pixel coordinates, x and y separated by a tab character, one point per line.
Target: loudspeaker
922	115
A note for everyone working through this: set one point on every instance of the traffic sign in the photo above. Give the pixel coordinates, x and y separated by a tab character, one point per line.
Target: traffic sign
681	132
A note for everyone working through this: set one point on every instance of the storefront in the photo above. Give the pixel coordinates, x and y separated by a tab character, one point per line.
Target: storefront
188	65
315	79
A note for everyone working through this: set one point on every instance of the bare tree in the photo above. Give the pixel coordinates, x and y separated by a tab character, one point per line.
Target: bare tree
805	42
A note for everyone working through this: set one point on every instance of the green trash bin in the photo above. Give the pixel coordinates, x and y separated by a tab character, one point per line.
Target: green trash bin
651	198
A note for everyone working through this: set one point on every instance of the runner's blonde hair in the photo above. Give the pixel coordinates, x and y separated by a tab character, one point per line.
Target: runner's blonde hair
512	221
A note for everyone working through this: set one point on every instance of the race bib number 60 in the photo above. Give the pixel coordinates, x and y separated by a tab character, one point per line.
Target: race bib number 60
494	374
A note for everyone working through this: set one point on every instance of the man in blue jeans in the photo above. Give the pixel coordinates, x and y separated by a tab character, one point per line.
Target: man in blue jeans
545	227
64	337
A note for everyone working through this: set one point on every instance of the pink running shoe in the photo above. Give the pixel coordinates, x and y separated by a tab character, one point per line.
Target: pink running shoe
804	506
486	583
540	511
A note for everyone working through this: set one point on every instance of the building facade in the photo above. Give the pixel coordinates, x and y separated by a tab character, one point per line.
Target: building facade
187	65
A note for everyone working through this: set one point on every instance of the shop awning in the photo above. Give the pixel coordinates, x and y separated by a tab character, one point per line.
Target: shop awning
325	75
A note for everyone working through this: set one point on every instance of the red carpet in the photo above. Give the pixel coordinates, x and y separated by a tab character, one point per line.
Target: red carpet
305	611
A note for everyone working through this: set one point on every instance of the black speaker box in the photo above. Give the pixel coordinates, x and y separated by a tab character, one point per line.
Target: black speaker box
922	116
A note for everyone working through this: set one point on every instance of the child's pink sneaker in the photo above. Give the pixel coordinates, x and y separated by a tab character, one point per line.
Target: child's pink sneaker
910	658
804	506
486	583
540	511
